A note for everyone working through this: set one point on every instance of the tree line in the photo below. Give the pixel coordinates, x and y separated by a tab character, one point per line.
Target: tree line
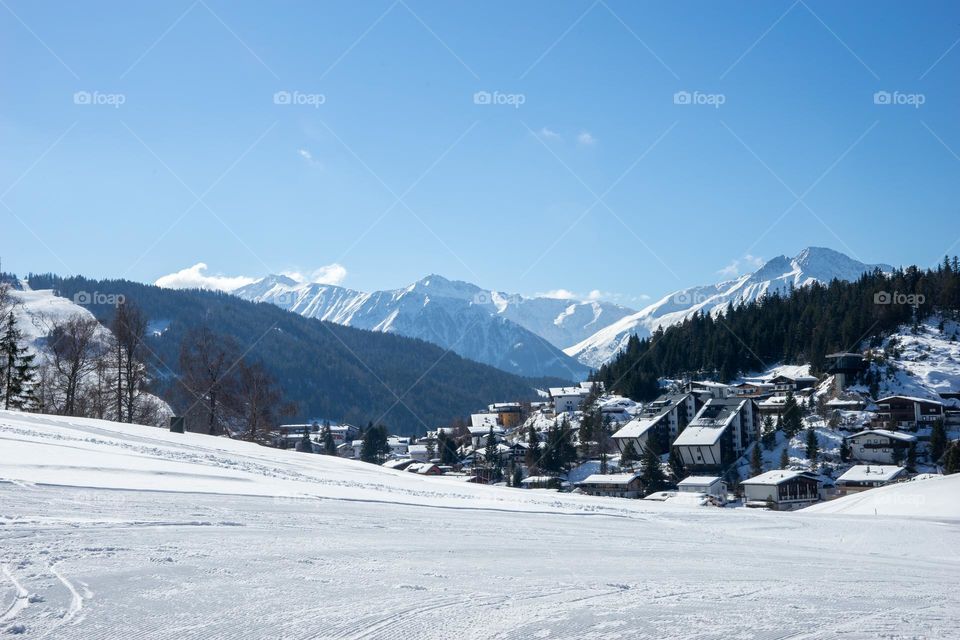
802	326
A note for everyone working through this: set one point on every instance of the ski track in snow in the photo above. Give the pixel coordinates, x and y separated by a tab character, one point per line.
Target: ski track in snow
177	543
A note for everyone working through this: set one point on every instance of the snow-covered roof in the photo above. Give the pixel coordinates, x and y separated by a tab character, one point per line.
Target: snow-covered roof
778	476
910	399
568	391
773	401
484	420
698	481
871	473
485	430
610	478
896	435
699	436
417	448
539	480
637	427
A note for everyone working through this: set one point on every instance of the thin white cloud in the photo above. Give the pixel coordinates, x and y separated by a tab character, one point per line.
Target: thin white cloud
559	294
586	138
308	157
549	134
195	278
328	274
750	262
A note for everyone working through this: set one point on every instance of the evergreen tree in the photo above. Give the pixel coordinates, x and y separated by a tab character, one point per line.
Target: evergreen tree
629	456
938	441
431	448
951	462
677	468
533	447
376	445
784	457
652	475
329	445
305	445
813	446
16	367
517	477
769	437
756	461
898	455
844	450
792	420
912	457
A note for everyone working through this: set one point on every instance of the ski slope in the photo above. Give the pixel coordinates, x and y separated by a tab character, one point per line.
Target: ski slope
122	531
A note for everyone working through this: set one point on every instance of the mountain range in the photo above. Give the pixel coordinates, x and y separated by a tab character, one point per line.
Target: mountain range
538	336
777	276
520	335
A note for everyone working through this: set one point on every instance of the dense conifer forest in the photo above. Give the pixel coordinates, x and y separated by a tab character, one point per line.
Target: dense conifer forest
325	370
802	327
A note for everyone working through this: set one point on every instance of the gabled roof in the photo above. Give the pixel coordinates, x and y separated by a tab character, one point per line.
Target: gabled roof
610	478
568	391
910	399
896	435
779	476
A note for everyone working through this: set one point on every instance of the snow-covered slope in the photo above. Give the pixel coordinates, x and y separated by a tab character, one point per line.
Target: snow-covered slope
936	497
520	335
118	531
778	275
920	363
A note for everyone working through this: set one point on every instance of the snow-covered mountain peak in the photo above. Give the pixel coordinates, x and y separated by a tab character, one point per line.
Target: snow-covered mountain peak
778	275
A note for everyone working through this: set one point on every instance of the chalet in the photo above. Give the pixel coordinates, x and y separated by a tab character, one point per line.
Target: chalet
845	404
541	482
424	469
614	485
719	434
708	387
568	398
478	435
906	412
751	389
783	383
867	476
712	486
772	406
880	446
783	490
660	422
398	445
419	452
399	464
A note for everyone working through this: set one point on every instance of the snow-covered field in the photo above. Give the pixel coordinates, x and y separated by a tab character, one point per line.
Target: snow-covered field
119	531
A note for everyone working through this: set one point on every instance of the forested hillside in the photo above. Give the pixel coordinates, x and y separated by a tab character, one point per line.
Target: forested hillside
324	369
801	327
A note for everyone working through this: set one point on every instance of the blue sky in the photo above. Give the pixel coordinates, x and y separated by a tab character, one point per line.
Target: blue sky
385	165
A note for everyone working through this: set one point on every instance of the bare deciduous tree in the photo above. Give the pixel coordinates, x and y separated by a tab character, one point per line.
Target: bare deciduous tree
210	370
